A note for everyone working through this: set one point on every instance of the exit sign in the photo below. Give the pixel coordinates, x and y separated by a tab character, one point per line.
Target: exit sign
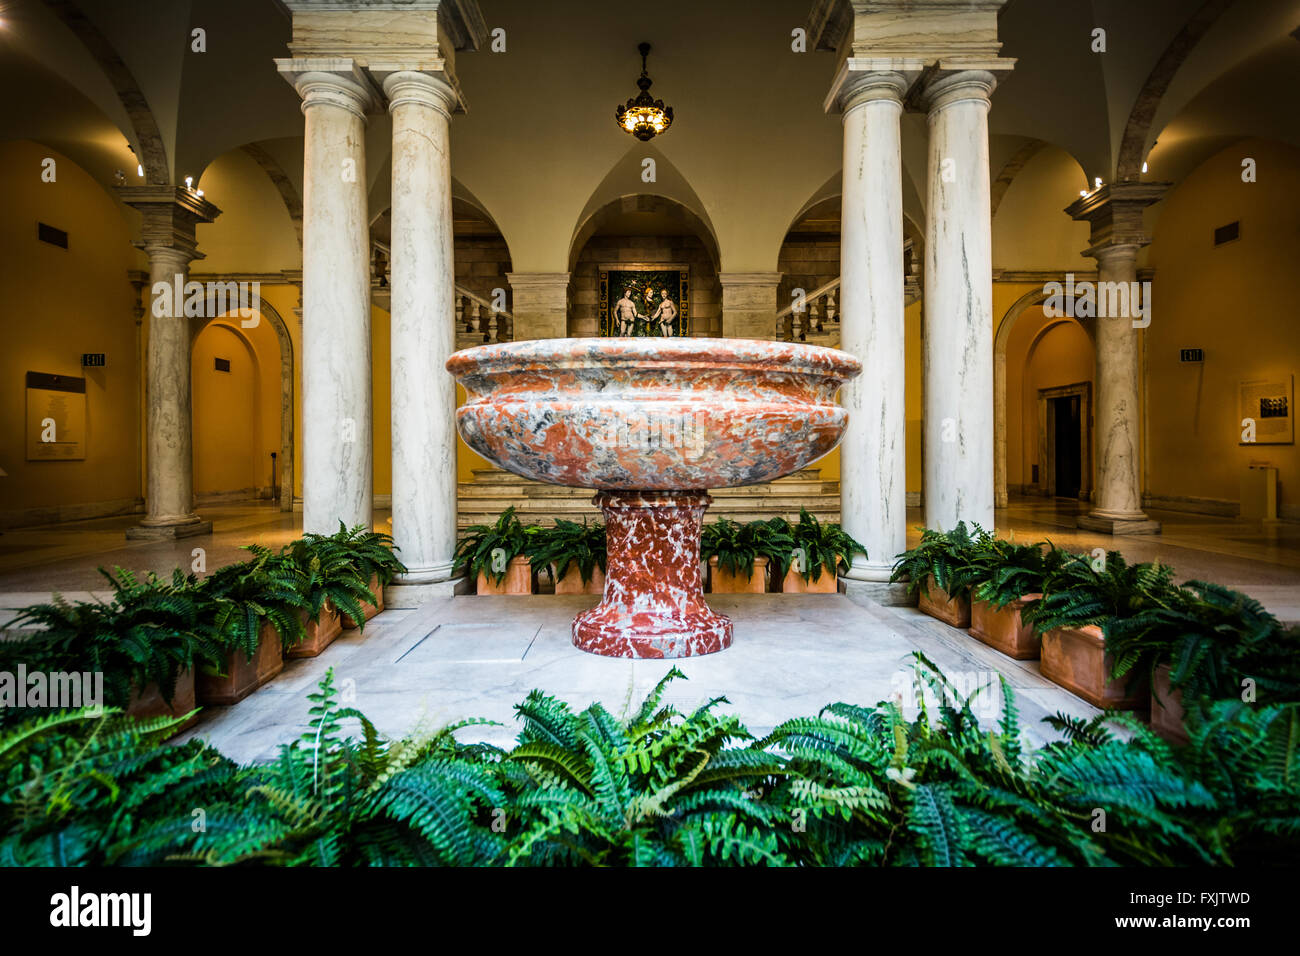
1191	355
93	360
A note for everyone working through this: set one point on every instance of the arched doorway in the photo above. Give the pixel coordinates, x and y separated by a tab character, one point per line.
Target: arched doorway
1044	369
233	462
645	234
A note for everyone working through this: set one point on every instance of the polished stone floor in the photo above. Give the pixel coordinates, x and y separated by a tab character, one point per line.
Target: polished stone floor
472	656
477	657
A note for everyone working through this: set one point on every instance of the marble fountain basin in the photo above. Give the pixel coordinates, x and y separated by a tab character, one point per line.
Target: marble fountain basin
652	424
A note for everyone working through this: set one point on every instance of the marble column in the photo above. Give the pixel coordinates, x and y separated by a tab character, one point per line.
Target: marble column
1115	212
337	480
749	304
540	305
169	216
957	338
422	279
873	463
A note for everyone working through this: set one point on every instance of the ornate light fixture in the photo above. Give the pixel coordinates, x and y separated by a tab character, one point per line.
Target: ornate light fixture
643	116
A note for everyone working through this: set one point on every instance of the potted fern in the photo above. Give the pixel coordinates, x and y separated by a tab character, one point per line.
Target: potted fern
734	555
373	556
1082	601
146	641
818	553
940	571
254	606
497	555
1202	642
334	586
1008	578
573	555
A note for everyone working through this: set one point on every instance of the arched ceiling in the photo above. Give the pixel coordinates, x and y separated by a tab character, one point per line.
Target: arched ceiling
751	144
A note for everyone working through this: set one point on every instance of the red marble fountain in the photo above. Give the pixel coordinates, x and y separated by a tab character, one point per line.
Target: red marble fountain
652	424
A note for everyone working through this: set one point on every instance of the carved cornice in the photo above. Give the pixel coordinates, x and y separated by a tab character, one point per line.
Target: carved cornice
169	215
1115	213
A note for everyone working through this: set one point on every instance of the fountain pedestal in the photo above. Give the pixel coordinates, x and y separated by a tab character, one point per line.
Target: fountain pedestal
654	596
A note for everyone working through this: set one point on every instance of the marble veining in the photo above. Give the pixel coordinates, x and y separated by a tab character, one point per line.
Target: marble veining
652	425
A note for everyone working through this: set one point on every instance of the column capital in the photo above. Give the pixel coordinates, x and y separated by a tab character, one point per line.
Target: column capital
862	81
434	89
945	87
330	81
1115	213
168	217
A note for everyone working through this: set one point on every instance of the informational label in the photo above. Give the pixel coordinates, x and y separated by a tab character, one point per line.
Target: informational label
56	417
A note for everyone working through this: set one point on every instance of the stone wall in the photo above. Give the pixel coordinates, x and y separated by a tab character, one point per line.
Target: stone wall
806	262
706	293
481	265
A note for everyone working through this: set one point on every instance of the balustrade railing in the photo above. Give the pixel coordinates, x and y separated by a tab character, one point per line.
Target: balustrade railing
475	315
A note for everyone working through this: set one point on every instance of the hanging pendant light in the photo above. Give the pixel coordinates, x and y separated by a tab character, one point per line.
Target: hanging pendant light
643	116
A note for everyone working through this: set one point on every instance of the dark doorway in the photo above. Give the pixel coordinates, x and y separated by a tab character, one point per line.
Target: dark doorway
1068	433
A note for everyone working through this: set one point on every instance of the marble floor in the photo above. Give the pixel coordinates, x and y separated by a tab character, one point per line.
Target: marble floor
470	656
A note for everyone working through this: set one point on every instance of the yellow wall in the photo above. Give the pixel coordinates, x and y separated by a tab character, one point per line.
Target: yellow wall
1235	301
236	413
58	304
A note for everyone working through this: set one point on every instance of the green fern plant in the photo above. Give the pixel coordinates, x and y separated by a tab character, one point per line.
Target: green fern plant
474	551
826	547
569	543
952	559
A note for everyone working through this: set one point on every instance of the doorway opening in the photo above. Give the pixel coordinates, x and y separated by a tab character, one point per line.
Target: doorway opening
1065	420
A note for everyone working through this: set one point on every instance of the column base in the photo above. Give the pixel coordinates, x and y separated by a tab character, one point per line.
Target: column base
400	595
881	592
168	532
1110	525
654	597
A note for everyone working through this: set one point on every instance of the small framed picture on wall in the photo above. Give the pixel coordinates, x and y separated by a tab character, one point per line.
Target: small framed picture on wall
1267	411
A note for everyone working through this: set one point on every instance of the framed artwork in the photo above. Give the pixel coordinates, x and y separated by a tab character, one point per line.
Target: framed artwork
1268	403
56	417
645	300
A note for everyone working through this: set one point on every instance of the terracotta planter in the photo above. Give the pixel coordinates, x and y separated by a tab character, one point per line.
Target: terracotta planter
150	703
1167	714
518	579
722	581
935	602
368	610
320	634
794	583
571	581
241	676
1076	659
1003	630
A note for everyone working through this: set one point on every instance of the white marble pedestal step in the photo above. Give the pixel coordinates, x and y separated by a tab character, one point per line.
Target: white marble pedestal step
471	656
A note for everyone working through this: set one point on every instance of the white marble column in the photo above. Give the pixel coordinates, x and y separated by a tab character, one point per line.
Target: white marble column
957	338
1117	505
337	461
169	442
873	464
422	279
1115	212
169	215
